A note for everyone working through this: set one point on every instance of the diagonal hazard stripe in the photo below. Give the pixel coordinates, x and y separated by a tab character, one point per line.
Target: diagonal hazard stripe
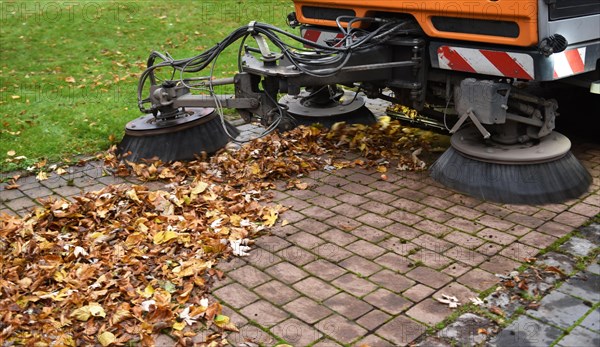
453	60
506	64
575	60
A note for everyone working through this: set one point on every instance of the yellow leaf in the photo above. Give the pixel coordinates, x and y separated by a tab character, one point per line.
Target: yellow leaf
41	176
381	169
270	218
221	320
131	194
384	122
70	79
106	338
119	316
15	97
235	220
164	236
301	185
179	325
148	291
255	169
284	222
11	153
82	313
96	310
59	276
199	188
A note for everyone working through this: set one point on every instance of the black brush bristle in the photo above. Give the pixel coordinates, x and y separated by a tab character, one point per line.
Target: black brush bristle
184	144
551	182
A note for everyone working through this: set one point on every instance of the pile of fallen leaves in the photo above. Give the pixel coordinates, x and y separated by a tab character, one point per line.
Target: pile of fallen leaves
125	263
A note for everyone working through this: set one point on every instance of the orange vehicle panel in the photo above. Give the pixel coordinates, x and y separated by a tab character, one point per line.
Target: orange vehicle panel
521	12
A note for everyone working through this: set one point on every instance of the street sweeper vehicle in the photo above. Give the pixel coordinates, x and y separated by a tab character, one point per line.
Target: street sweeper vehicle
487	70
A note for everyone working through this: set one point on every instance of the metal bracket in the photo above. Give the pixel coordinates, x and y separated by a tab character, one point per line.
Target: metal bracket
463	118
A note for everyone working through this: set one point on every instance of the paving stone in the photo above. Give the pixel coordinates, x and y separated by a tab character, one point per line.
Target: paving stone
465	240
328	190
334	180
580	337
526	331
433	228
296	255
465	225
496	236
429	311
584	285
249	276
361	178
326	343
401	331
231	264
11	194
374	220
324	269
384	186
499	265
519	230
348	210
404	217
312	226
434	260
432	243
352	199
272	243
429	277
388	301
464	200
295	203
418	292
494	222
251	334
277	292
234	317
354	285
340	329
437	191
489	249
456	269
317	213
394	262
464	212
369	233
365	249
305	240
323	201
262	259
307	310
264	313
287	272
493	209
528	221
591	232
373	319
377	207
360	265
586	210
292	216
38	192
436	202
356	188
594	268
478	279
296	332
391	281
333	253
22	203
67	191
340	238
528	210
343	223
236	295
559	309
462	293
592	321
544	215
302	194
407	205
378	195
347	305
519	251
372	340
402	231
465	330
435	214
578	246
537	240
571	219
315	288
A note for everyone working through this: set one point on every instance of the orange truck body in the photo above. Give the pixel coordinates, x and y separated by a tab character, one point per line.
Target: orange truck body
519	13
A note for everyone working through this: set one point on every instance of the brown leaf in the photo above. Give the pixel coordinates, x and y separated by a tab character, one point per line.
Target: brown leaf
497	310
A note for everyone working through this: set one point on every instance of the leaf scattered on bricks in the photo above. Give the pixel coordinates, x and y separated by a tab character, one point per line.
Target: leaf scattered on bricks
497	311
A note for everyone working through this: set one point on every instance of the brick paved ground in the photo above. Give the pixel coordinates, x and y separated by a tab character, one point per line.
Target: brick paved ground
362	260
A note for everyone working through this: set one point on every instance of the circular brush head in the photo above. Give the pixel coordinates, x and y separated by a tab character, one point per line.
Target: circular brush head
541	183
177	140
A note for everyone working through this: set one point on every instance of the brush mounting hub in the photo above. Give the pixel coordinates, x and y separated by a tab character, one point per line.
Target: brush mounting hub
151	125
468	141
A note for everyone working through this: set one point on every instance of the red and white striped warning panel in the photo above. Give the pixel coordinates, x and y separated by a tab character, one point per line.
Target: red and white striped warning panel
325	38
496	63
569	62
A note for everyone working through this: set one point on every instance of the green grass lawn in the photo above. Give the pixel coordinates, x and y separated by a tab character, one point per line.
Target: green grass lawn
68	70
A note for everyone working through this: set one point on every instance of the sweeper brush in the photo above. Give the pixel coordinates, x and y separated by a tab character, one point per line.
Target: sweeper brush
503	149
541	173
